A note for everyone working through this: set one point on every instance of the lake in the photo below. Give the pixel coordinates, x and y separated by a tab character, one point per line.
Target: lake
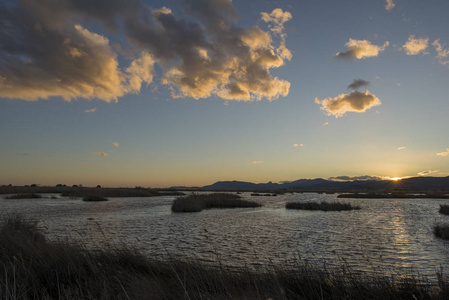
385	235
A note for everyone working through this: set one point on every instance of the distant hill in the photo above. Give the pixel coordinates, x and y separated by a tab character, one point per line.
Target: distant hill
409	184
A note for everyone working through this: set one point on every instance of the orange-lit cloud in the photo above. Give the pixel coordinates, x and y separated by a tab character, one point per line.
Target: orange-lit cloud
354	102
442	53
47	53
401	148
72	62
325	124
415	46
257	162
446	153
390	5
115	145
100	154
234	67
91	110
358	49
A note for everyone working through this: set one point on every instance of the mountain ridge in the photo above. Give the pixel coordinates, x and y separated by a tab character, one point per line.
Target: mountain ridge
407	184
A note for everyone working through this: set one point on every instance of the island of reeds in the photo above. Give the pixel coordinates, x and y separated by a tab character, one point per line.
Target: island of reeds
323	206
76	191
34	267
24	196
197	203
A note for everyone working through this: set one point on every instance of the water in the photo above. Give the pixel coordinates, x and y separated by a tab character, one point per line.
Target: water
385	235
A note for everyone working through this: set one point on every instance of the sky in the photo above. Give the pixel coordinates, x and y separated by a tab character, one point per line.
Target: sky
187	93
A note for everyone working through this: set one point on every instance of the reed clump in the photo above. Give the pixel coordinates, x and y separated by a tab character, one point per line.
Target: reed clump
24	196
441	231
196	203
323	206
36	268
444	209
94	199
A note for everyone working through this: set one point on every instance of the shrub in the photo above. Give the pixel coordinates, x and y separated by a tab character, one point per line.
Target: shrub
324	206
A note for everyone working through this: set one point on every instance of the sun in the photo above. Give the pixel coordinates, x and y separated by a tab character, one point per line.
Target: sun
395	178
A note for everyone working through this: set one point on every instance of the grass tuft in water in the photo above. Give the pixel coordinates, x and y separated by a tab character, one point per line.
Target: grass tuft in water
324	206
441	231
196	203
444	209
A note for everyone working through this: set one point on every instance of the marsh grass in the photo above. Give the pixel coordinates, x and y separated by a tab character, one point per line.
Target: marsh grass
34	268
324	206
94	199
196	203
441	231
24	196
444	209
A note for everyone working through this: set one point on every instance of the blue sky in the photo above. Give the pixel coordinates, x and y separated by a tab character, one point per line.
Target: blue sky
104	95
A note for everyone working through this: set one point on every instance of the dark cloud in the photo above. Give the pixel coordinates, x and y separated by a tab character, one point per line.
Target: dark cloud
352	178
215	15
358	83
47	48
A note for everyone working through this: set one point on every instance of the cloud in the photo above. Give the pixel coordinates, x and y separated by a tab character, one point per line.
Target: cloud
257	162
358	49
100	154
352	178
91	110
442	53
354	102
46	50
326	124
444	153
278	18
41	60
428	172
415	46
390	5
296	145
115	145
358	83
401	148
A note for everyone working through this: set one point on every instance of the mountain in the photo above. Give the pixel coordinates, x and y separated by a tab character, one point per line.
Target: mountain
409	184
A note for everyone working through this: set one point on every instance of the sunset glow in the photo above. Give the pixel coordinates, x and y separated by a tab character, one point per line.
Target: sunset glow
168	93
